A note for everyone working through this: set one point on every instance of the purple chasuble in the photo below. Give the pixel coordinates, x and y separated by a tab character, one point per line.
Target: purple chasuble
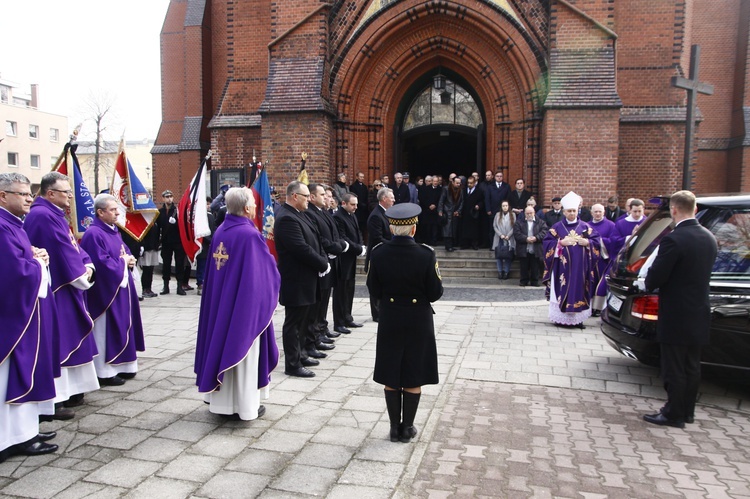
574	268
48	228
104	246
606	230
28	324
240	294
623	229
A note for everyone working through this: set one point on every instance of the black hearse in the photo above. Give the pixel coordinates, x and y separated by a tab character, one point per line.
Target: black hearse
629	318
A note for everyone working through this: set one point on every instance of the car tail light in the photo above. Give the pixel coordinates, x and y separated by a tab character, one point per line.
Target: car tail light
645	307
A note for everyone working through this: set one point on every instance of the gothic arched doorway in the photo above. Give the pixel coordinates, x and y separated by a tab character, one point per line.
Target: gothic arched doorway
441	129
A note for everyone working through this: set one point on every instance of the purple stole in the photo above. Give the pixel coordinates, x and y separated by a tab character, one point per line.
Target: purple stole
104	246
48	228
574	268
606	230
29	329
240	294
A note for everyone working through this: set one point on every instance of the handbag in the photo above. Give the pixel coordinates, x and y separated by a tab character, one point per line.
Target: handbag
503	250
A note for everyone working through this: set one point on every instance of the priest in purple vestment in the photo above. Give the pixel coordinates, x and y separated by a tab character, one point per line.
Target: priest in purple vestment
113	299
571	250
27	357
626	225
606	229
71	271
236	348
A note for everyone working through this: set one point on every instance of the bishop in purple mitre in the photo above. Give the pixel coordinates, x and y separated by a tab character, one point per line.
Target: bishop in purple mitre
236	348
571	250
113	299
606	230
27	356
71	271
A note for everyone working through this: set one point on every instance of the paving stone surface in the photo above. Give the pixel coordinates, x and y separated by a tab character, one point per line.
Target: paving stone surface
523	409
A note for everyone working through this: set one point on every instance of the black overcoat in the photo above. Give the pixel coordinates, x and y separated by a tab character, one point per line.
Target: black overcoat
406	352
348	226
682	272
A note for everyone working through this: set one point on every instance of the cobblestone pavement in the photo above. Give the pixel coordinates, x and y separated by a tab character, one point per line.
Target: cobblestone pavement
524	409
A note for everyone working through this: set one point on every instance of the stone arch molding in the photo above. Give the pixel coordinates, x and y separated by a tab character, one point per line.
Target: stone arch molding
478	40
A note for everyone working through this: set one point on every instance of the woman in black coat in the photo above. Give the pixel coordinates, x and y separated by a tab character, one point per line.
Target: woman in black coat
406	352
449	208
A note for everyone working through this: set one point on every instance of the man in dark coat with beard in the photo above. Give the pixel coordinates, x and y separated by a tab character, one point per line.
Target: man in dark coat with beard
406	352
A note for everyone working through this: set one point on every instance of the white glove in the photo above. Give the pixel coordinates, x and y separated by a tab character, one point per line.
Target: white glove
364	251
640	283
331	257
142	251
347	247
172	220
321	274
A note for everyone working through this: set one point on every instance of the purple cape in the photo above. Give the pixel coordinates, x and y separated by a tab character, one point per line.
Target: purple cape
240	294
623	230
575	268
606	230
104	246
48	228
28	325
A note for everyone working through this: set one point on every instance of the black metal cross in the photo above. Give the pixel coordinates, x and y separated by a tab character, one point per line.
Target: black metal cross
693	87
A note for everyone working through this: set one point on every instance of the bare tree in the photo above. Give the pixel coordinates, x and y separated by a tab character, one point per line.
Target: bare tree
98	108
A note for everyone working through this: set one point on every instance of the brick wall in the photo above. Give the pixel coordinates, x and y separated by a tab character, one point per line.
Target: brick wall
580	153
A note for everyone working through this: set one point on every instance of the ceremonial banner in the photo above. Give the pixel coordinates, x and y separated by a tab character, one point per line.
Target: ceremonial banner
302	177
192	214
81	213
137	210
264	209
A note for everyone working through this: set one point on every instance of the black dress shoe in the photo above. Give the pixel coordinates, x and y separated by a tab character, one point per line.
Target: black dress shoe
181	291
354	324
43	437
187	287
149	294
690	419
140	298
36	449
165	291
302	372
74	400
332	334
343	330
310	362
661	420
113	381
316	354
323	346
375	319
325	339
126	375
261	410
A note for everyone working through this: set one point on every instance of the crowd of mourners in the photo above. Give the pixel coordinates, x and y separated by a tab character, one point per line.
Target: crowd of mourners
74	324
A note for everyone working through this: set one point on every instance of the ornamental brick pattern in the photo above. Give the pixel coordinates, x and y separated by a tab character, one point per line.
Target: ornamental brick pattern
574	94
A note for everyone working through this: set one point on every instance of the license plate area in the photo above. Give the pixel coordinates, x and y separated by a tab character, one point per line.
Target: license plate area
614	302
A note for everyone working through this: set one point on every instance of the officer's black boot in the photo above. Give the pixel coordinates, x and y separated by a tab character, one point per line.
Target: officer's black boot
411	403
393	403
165	291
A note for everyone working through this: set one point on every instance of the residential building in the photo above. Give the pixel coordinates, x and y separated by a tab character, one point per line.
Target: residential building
137	151
31	140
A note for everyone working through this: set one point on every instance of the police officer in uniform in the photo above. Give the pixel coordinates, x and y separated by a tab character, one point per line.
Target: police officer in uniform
406	353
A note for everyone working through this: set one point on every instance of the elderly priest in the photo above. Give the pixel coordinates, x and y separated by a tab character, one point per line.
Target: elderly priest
236	349
113	299
27	367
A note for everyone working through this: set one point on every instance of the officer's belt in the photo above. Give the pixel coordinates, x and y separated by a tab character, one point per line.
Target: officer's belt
406	300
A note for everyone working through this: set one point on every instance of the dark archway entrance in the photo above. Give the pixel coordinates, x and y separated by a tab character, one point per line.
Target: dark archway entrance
442	150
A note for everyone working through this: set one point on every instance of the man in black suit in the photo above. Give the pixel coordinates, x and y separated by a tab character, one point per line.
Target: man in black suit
529	232
681	273
400	190
343	290
429	198
612	211
359	188
495	193
379	230
333	246
301	263
518	198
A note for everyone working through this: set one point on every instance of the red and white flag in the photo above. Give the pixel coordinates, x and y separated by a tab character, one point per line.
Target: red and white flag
192	214
137	210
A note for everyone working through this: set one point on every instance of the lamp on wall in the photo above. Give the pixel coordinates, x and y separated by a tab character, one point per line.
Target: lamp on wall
438	81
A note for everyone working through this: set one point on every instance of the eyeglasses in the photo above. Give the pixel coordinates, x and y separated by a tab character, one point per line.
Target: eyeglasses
22	194
300	194
66	192
378	185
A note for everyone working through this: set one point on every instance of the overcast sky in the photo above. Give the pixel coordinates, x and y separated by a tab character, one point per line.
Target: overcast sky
74	49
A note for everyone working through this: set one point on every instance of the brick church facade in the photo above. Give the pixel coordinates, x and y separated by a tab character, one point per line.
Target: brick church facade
568	94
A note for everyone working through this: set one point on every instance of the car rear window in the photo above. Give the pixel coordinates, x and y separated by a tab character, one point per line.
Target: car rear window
731	227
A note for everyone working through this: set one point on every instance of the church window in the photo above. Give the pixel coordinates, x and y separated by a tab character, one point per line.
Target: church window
450	106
